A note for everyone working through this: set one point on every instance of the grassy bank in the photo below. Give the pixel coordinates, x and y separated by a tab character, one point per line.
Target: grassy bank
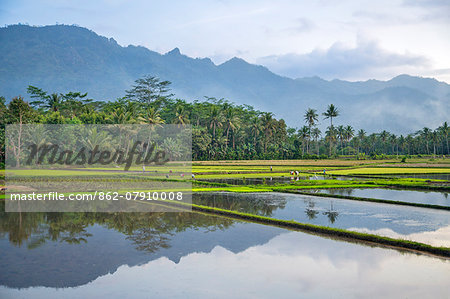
391	170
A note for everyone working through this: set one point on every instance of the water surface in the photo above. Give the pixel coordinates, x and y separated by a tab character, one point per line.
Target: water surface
425	197
197	256
419	224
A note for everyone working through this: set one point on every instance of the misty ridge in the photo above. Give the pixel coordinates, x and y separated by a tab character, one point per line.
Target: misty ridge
61	58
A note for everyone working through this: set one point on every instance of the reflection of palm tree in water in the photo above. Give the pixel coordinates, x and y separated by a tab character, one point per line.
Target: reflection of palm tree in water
310	212
341	191
253	205
331	213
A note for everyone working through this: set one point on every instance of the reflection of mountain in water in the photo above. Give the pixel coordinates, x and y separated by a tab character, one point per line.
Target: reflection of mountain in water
71	249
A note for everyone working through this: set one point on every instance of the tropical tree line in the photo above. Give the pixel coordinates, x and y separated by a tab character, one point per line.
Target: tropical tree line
221	130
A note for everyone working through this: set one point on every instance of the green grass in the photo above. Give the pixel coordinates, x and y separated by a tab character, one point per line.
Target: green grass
238	189
389	170
243	175
53	172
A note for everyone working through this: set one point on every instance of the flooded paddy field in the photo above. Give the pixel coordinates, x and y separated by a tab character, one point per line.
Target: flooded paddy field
411	223
413	196
177	255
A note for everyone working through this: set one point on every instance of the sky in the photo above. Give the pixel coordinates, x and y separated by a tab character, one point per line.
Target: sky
347	39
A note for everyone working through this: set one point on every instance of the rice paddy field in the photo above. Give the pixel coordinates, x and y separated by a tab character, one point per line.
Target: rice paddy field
348	220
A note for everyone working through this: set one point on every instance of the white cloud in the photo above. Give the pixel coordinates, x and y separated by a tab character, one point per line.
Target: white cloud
365	60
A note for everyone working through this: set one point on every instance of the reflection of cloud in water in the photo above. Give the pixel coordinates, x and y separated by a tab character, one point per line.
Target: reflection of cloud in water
286	266
409	222
439	237
384	217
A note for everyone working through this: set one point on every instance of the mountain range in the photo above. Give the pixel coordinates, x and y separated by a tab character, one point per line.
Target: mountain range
62	58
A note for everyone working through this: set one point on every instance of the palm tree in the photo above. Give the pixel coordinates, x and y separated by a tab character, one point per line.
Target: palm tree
393	142
311	117
121	116
331	112
401	143
361	137
255	129
230	122
435	138
330	135
409	142
316	135
425	133
215	120
384	136
304	136
173	148
151	117
444	132
54	102
268	125
349	133
95	138
310	211
331	213
341	136
181	115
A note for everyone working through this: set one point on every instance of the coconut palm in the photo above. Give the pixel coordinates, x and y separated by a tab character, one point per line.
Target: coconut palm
444	129
151	116
311	117
215	119
425	134
361	137
349	132
255	129
434	136
268	125
54	102
173	148
331	213
304	135
95	138
315	133
393	142
230	122
401	143
409	142
384	135
340	130
310	211
181	115
330	136
331	112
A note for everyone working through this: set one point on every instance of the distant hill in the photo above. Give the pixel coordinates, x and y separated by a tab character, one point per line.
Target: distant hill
69	58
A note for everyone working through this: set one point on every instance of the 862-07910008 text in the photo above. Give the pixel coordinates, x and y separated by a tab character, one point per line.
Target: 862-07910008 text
98	195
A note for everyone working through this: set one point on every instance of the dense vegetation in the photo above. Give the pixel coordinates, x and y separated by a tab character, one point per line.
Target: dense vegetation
222	130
